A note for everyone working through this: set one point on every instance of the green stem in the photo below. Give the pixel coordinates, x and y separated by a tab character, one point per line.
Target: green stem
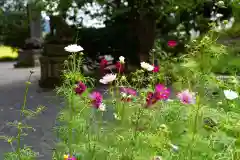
70	129
19	127
139	113
25	95
18	142
195	125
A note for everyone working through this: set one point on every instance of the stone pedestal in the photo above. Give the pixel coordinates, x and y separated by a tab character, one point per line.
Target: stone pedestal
28	58
52	65
51	70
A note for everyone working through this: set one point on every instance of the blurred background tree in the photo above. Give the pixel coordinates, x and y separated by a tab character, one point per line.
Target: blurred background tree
14	27
130	27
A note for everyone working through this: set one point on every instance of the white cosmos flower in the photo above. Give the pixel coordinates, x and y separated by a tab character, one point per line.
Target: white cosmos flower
73	48
102	107
229	94
108	78
220	3
122	59
147	66
123	94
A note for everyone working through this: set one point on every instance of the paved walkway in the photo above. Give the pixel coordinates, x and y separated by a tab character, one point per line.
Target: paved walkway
12	87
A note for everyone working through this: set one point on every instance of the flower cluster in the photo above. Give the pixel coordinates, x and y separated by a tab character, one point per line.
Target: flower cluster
150	67
161	93
128	94
68	157
105	61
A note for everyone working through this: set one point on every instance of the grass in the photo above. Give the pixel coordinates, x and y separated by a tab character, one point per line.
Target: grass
7	54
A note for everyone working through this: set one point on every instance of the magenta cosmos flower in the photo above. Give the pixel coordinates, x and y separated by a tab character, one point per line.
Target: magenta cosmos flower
161	93
68	157
172	43
80	88
96	98
156	69
187	97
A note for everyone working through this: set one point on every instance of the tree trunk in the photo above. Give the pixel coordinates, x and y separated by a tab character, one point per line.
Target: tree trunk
145	31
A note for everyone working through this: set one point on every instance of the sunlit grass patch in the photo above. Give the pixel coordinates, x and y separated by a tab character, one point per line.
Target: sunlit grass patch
7	53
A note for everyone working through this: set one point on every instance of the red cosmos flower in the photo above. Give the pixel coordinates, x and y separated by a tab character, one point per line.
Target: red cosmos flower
103	64
126	99
172	43
80	88
156	69
151	99
161	93
119	67
96	99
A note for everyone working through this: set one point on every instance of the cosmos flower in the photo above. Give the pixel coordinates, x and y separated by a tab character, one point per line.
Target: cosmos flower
102	107
96	98
119	67
161	93
231	95
187	97
172	43
80	88
128	91
73	48
151	99
108	78
68	157
103	63
147	66
127	94
122	59
156	69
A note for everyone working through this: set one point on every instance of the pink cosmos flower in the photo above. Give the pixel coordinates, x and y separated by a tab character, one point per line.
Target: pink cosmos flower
172	43
128	91
96	98
156	69
187	97
128	94
80	88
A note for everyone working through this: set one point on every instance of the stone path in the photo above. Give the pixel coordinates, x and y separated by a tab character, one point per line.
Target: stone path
12	87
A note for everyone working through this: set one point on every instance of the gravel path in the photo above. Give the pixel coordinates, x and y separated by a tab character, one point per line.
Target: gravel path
12	87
